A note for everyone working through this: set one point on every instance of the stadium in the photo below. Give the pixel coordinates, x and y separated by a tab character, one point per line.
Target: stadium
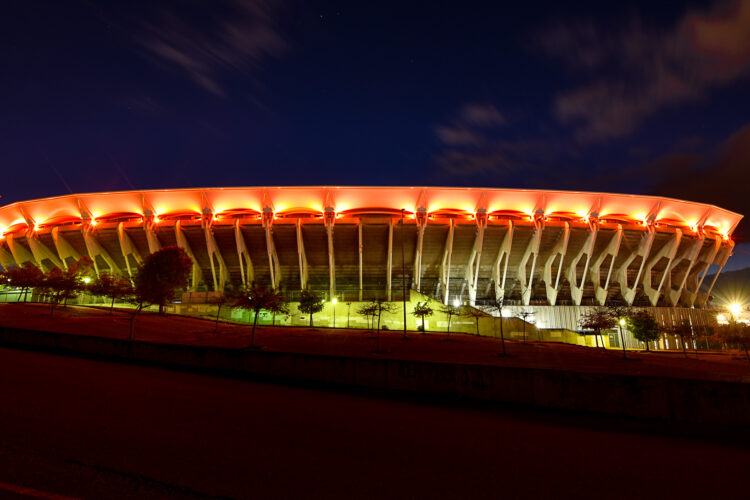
553	253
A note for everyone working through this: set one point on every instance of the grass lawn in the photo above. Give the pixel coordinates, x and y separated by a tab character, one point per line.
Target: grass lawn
459	348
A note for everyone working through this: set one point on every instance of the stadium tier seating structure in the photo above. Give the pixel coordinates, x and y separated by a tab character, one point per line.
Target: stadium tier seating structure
467	245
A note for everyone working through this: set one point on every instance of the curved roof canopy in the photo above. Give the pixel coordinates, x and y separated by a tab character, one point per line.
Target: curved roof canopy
359	200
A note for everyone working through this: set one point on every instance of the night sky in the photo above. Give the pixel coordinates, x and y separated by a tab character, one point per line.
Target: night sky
640	97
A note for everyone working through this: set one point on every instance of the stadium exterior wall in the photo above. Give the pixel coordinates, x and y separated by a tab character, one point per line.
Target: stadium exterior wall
458	245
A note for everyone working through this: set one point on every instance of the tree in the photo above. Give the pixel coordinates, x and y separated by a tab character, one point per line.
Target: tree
380	307
421	310
24	277
112	287
310	303
620	314
226	297
735	333
597	320
684	330
369	311
157	281
450	311
278	308
499	307
524	316
58	285
259	298
643	326
475	314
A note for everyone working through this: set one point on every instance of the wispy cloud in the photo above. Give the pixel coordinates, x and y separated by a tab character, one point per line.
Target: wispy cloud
476	147
634	73
233	36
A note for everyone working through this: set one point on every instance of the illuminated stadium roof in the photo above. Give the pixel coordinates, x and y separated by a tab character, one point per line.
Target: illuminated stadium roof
471	244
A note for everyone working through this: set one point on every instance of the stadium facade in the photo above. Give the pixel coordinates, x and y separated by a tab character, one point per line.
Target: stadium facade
526	248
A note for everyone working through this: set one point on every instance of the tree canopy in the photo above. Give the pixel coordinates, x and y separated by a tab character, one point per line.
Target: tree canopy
163	273
643	326
309	303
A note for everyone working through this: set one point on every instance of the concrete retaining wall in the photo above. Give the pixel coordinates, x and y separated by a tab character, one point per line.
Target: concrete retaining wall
694	401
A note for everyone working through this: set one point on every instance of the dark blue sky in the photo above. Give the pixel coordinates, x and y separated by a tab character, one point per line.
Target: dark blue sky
645	97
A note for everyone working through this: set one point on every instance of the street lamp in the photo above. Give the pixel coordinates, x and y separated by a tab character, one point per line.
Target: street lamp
403	270
334	301
736	309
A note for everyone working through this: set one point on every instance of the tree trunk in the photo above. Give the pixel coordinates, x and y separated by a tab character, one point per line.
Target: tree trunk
682	342
596	339
252	333
647	348
502	334
449	325
131	335
423	330
112	305
622	340
311	320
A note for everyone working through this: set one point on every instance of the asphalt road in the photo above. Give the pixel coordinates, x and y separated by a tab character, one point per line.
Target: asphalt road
88	429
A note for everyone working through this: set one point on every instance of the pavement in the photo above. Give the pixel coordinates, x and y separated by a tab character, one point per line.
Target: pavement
79	428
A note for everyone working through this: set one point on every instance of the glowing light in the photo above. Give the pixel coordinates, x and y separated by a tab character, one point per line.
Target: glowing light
86	280
456	303
735	308
721	318
334	301
622	321
156	219
94	222
36	227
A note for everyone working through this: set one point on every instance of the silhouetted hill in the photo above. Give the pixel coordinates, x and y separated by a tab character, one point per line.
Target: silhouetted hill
731	286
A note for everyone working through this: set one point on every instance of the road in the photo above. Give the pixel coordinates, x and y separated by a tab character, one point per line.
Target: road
89	429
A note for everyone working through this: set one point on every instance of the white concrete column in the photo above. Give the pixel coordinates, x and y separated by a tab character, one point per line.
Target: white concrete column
613	248
644	250
6	258
688	252
40	251
246	264
301	257
532	251
389	262
182	242
94	249
560	249
64	249
472	266
694	283
421	218
214	253
19	252
576	288
503	257
329	218
445	263
669	250
127	248
361	278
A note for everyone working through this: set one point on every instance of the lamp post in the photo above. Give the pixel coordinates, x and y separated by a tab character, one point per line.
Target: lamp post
348	308
403	270
334	301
